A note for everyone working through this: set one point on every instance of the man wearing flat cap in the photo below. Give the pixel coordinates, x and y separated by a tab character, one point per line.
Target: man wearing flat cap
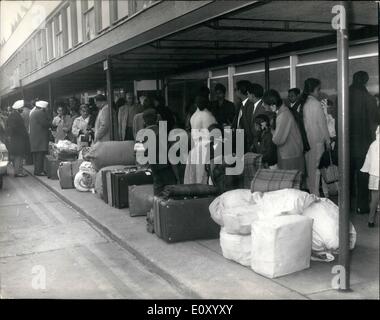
39	123
102	123
18	138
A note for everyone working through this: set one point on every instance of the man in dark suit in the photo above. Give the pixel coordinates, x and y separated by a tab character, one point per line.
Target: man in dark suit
255	94
222	109
247	109
364	117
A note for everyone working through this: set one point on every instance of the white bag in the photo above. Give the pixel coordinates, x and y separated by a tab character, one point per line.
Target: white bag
280	202
235	211
86	166
281	245
236	247
326	226
85	181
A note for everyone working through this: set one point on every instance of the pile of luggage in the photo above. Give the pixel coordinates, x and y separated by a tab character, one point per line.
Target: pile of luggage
278	229
64	163
263	219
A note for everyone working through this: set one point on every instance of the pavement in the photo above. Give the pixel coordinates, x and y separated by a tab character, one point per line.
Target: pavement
197	269
49	250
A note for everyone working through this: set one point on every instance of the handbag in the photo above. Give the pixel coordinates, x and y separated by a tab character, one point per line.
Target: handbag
330	174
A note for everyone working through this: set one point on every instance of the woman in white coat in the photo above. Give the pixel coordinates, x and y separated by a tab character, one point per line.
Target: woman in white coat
200	121
371	166
316	131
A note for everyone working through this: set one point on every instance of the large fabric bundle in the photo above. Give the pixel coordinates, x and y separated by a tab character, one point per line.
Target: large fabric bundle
280	202
66	150
234	210
271	180
326	226
99	181
281	245
84	180
111	153
236	247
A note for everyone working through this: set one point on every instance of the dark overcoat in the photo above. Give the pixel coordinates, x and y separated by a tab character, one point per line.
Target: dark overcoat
39	123
364	118
18	143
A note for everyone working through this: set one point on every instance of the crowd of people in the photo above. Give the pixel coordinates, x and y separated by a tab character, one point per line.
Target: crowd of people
290	134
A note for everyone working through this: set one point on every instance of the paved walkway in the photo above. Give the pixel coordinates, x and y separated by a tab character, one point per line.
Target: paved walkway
199	269
49	250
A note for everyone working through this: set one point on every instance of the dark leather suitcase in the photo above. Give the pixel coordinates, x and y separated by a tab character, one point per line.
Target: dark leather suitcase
178	220
119	192
52	165
140	199
106	182
120	182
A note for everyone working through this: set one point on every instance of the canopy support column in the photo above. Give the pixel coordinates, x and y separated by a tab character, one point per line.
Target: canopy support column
108	68
50	96
266	67
343	147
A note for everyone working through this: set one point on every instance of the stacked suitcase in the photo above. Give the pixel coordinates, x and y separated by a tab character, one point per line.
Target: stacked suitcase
116	185
51	167
178	220
66	172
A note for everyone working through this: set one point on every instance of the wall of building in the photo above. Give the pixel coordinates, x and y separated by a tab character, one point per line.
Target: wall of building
51	29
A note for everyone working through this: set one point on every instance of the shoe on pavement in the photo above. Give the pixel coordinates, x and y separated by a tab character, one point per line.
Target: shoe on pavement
21	175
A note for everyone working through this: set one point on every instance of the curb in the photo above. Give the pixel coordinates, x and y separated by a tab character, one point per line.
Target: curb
183	289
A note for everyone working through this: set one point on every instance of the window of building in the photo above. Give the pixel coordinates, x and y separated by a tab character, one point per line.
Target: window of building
68	24
326	72
256	77
371	66
58	32
77	8
50	40
105	13
279	76
143	4
89	27
122	9
39	50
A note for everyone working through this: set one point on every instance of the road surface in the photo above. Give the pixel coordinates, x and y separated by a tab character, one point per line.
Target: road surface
48	250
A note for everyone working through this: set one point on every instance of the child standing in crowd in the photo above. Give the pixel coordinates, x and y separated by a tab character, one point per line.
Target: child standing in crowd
264	145
371	166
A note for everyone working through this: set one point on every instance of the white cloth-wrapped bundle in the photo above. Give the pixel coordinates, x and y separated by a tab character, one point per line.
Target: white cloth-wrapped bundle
281	245
234	210
325	214
84	180
280	202
66	145
236	247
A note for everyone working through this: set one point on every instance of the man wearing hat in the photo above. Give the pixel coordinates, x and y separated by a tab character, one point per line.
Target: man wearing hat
39	136
102	123
18	146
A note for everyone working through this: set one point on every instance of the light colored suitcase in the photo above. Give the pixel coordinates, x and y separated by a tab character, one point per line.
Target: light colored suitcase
140	199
